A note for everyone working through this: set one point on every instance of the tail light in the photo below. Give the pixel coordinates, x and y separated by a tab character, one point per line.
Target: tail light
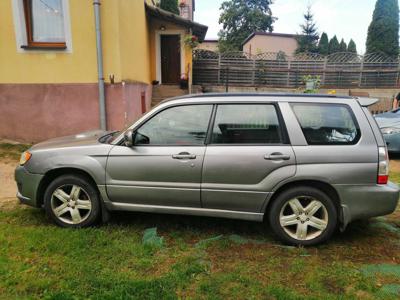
383	166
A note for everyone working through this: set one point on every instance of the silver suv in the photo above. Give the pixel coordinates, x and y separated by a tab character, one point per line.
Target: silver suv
306	164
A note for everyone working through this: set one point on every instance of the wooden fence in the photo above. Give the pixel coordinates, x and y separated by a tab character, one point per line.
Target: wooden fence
339	70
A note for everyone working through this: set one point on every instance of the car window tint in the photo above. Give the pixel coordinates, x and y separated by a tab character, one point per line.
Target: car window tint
180	125
246	124
326	124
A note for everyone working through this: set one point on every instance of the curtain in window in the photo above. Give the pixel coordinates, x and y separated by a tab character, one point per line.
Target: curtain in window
48	21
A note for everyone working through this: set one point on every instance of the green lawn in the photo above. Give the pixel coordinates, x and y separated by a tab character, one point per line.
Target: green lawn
192	258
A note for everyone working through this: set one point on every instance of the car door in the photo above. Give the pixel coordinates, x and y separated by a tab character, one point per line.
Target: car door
247	154
163	167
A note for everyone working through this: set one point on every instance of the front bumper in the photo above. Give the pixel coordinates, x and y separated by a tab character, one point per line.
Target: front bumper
367	201
28	185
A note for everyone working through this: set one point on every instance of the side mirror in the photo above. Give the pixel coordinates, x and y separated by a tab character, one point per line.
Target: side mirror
129	138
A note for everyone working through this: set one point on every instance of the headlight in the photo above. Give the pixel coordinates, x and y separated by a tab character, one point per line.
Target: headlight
390	130
25	157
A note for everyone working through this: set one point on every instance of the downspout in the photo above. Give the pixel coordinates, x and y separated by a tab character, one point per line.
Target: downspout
102	102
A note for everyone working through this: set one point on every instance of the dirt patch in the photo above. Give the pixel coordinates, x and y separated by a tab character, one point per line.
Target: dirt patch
8	188
395	165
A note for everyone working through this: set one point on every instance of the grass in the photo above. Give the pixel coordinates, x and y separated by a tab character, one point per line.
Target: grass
12	151
192	257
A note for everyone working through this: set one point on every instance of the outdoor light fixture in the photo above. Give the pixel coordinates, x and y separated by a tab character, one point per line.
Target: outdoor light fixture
162	28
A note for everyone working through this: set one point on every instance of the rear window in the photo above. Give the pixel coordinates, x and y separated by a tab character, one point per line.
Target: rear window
327	124
246	124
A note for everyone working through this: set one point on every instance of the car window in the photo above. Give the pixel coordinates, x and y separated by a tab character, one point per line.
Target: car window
326	124
179	125
246	124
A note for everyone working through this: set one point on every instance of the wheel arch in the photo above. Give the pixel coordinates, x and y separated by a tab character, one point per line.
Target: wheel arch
321	185
54	173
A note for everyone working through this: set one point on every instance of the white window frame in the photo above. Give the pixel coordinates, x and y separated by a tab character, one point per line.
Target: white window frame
20	28
181	33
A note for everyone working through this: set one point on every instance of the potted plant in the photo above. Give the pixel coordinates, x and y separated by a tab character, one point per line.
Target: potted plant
191	41
184	83
312	83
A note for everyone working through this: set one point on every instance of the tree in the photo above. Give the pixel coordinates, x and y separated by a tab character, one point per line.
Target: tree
342	46
170	5
334	45
240	18
352	47
323	45
307	41
383	32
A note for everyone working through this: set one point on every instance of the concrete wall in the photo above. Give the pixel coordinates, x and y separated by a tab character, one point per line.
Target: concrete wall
265	43
36	112
385	96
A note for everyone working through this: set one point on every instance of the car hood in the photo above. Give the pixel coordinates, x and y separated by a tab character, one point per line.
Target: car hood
82	139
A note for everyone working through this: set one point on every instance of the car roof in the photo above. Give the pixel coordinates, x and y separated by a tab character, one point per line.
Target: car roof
276	97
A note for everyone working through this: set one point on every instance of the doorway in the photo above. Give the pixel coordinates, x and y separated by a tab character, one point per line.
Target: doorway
170	58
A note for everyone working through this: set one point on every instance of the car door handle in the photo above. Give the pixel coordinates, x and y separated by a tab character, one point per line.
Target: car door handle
184	155
277	156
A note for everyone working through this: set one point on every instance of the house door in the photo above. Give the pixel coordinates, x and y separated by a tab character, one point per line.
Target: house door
170	59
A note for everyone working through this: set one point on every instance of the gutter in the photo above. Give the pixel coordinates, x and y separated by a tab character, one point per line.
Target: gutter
100	72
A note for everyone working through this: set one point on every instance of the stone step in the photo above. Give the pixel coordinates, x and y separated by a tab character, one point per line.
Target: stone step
162	92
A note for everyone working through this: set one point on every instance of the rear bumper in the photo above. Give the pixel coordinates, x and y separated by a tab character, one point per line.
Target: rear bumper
366	201
28	185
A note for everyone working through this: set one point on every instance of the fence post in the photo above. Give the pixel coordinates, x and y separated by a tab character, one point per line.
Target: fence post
323	81
254	72
227	79
361	72
288	73
219	68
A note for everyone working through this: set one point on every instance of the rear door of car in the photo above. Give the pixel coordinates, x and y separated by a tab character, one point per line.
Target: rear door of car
248	152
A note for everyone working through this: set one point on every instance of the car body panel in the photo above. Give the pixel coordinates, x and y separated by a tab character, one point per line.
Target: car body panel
150	175
232	181
386	120
239	177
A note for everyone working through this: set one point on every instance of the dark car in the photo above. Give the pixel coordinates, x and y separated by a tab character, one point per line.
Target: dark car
389	123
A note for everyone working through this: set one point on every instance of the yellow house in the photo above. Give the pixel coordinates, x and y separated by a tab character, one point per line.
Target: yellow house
53	62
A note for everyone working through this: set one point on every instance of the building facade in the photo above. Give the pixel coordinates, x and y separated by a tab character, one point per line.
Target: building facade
210	45
261	42
49	71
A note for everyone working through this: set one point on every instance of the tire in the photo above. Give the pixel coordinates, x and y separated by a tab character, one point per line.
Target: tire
311	224
71	201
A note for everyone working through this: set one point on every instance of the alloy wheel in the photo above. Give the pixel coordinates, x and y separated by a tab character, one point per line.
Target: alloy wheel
304	218
71	204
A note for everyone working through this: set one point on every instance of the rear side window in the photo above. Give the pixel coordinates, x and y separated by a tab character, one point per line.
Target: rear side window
246	124
327	124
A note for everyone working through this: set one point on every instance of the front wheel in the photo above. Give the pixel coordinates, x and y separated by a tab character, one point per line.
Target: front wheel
72	201
303	216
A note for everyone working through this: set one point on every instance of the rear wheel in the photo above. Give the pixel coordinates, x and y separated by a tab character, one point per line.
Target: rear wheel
72	201
303	216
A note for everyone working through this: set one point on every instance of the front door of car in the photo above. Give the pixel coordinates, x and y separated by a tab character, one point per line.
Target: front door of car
247	155
164	165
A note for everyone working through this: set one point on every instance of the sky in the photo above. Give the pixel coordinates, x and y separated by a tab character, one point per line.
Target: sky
345	18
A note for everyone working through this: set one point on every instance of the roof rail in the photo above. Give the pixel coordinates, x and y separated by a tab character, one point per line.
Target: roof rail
365	102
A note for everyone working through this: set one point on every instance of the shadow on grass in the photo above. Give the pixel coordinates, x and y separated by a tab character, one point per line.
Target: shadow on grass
193	228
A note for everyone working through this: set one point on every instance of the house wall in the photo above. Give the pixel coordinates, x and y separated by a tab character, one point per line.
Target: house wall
154	28
265	43
207	45
57	90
